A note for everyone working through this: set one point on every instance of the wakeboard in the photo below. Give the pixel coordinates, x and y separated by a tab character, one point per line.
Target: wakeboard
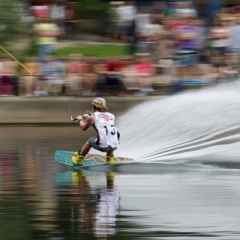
91	161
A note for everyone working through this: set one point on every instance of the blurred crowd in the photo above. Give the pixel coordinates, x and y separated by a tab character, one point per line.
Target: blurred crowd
171	47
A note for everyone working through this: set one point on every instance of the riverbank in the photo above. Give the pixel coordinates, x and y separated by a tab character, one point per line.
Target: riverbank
56	110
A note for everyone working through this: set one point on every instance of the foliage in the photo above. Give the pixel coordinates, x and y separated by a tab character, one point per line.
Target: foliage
231	2
92	8
100	12
11	24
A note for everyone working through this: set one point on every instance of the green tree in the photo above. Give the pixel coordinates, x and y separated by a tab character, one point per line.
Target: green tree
97	11
11	24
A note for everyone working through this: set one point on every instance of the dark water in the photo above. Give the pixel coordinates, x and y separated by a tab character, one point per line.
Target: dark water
40	199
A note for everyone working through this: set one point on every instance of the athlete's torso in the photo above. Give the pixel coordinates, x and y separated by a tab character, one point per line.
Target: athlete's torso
104	123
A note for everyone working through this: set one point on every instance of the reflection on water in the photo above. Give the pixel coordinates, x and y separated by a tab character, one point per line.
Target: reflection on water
87	209
95	210
40	199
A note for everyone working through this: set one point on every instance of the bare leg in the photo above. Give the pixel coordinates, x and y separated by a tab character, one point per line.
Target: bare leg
79	156
85	149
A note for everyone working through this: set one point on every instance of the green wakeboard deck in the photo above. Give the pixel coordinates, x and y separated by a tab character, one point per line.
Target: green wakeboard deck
64	157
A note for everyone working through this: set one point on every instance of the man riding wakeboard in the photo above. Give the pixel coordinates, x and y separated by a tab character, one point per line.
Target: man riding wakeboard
107	139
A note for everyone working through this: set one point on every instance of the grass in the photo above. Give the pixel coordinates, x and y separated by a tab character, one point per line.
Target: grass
96	50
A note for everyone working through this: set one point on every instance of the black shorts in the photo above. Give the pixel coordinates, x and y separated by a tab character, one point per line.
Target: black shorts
93	142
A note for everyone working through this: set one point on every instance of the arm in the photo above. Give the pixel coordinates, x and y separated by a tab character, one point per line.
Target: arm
85	121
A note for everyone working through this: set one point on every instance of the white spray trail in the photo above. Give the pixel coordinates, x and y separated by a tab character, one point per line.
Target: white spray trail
184	126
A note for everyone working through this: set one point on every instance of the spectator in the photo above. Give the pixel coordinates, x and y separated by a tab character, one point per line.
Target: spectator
75	68
219	39
47	33
40	11
235	41
145	30
110	79
29	82
145	72
69	17
129	73
186	43
90	75
58	15
81	76
132	37
126	12
52	76
8	77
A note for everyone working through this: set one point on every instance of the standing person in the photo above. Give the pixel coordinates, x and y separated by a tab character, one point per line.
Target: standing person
220	43
47	33
107	139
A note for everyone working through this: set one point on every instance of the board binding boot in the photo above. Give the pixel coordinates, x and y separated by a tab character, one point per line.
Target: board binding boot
111	160
77	158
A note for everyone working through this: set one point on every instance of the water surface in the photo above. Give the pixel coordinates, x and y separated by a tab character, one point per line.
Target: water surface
40	199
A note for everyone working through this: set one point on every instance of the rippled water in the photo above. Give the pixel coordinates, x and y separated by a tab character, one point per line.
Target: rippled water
40	199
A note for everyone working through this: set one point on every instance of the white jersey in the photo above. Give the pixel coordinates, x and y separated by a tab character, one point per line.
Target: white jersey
107	132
